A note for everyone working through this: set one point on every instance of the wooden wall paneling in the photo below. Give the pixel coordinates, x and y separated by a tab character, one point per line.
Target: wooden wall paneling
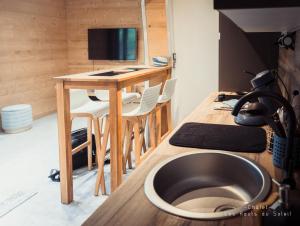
33	49
85	14
157	32
157	28
40	39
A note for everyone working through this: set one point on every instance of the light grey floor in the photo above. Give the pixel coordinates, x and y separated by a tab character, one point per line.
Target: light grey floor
25	161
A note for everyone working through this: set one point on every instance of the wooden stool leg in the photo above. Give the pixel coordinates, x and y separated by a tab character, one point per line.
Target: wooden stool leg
137	142
98	153
103	153
142	134
127	143
97	127
158	125
106	134
103	188
169	117
89	139
129	147
124	131
129	156
152	130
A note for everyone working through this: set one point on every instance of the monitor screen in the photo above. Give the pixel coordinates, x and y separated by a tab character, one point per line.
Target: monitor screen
112	44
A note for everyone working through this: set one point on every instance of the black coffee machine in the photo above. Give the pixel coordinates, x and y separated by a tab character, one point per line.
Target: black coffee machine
253	114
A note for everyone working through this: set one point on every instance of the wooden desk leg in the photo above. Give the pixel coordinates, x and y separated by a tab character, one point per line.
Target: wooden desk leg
64	139
116	155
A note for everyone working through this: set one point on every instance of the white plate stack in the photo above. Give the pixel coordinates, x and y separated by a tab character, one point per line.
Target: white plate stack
159	61
16	118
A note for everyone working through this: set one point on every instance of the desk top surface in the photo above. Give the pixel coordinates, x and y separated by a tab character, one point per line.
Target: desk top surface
90	76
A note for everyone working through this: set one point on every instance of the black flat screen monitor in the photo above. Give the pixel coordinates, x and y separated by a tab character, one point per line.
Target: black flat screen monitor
112	44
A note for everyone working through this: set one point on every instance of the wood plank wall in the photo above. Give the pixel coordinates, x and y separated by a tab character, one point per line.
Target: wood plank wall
32	50
157	28
157	35
40	39
84	14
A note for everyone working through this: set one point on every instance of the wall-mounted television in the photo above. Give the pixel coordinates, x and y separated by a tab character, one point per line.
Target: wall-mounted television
112	44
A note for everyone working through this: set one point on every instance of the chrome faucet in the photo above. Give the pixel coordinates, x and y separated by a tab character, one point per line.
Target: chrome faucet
291	127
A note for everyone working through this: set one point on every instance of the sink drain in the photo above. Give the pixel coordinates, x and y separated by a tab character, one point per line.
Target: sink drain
224	208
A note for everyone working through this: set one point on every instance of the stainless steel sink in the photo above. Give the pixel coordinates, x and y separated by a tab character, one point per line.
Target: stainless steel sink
207	185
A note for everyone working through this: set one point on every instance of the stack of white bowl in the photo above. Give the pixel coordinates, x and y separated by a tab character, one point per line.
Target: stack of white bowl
16	118
159	61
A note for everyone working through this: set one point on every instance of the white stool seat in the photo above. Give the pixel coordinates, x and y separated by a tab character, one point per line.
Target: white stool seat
168	91
130	109
96	108
146	105
130	97
126	97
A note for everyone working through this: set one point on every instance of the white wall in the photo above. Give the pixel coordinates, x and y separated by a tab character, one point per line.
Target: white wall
195	31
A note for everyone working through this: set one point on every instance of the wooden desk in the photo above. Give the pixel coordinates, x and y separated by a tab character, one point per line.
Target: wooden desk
129	204
114	84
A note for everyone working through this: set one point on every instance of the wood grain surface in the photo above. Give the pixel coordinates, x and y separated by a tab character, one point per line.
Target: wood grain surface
114	84
157	31
33	49
85	14
129	205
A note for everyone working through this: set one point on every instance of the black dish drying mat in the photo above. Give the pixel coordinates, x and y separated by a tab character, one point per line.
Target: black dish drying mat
220	137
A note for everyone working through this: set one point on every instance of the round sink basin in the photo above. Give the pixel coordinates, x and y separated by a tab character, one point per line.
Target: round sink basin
207	185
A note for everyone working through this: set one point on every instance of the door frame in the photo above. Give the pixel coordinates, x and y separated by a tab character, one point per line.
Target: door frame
170	25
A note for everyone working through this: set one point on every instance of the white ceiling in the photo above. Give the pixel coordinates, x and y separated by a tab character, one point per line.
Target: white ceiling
265	19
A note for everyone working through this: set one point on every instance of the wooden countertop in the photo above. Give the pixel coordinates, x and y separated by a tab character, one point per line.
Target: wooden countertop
129	205
86	76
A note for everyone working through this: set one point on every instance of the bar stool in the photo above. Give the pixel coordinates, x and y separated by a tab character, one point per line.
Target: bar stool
94	111
134	123
165	100
134	119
